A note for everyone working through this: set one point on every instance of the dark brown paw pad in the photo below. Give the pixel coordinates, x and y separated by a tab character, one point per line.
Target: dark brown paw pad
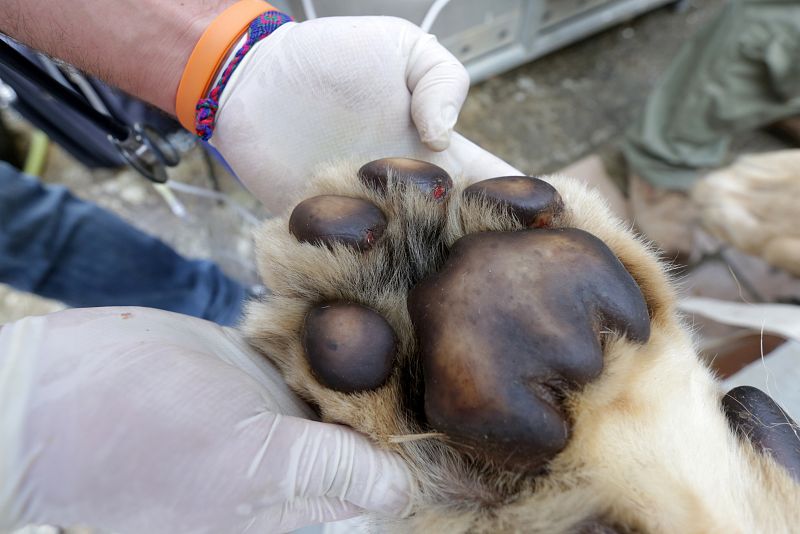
349	347
532	201
757	418
428	178
511	323
328	219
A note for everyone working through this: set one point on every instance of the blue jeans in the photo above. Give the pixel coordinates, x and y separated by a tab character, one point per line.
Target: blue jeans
60	247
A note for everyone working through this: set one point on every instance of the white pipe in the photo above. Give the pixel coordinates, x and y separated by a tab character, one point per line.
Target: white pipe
432	14
308	7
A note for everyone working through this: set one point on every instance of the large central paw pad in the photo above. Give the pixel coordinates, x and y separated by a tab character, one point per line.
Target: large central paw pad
512	321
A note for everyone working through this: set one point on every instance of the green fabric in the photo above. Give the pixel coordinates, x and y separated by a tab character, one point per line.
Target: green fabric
739	73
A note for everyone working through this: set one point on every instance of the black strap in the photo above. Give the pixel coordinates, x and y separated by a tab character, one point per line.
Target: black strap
142	146
23	66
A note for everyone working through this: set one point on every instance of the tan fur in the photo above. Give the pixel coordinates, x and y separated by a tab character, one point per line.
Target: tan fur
650	448
752	204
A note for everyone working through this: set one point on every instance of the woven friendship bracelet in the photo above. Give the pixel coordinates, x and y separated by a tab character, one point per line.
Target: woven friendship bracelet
206	108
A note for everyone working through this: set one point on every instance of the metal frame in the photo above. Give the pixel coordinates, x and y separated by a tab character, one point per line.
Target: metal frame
493	37
538	39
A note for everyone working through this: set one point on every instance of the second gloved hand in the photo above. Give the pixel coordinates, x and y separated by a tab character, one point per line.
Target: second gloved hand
138	420
342	87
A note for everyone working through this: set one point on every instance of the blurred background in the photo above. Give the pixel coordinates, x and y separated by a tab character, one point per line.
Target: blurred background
558	86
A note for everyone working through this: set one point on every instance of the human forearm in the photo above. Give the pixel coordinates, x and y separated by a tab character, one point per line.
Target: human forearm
140	46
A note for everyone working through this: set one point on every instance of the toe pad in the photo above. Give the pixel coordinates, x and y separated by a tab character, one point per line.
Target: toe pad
349	347
428	178
759	419
328	219
531	200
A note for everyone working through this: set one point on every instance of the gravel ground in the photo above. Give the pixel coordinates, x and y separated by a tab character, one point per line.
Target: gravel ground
544	115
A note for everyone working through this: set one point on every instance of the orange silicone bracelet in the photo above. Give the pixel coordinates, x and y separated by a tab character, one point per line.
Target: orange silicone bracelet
209	53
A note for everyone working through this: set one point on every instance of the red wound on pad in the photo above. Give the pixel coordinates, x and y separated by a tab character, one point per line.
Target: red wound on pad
328	219
428	178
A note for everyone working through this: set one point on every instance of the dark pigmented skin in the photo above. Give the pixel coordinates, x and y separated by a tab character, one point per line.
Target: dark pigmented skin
531	200
756	417
510	322
431	179
350	347
328	219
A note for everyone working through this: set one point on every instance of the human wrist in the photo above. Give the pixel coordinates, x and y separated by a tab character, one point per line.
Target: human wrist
253	19
140	46
165	73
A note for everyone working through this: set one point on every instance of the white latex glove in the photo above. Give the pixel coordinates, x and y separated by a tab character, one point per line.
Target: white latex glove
341	87
136	420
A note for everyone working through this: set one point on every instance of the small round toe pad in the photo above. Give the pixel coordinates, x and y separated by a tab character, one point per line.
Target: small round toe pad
328	219
349	347
431	179
531	200
753	415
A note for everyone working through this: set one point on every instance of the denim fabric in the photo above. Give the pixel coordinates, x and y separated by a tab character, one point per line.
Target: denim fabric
60	247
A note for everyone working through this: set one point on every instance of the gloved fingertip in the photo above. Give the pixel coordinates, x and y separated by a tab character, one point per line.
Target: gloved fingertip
450	116
391	493
437	144
301	513
435	134
380	482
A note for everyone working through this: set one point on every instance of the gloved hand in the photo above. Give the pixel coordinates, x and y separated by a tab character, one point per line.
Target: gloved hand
340	87
139	420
